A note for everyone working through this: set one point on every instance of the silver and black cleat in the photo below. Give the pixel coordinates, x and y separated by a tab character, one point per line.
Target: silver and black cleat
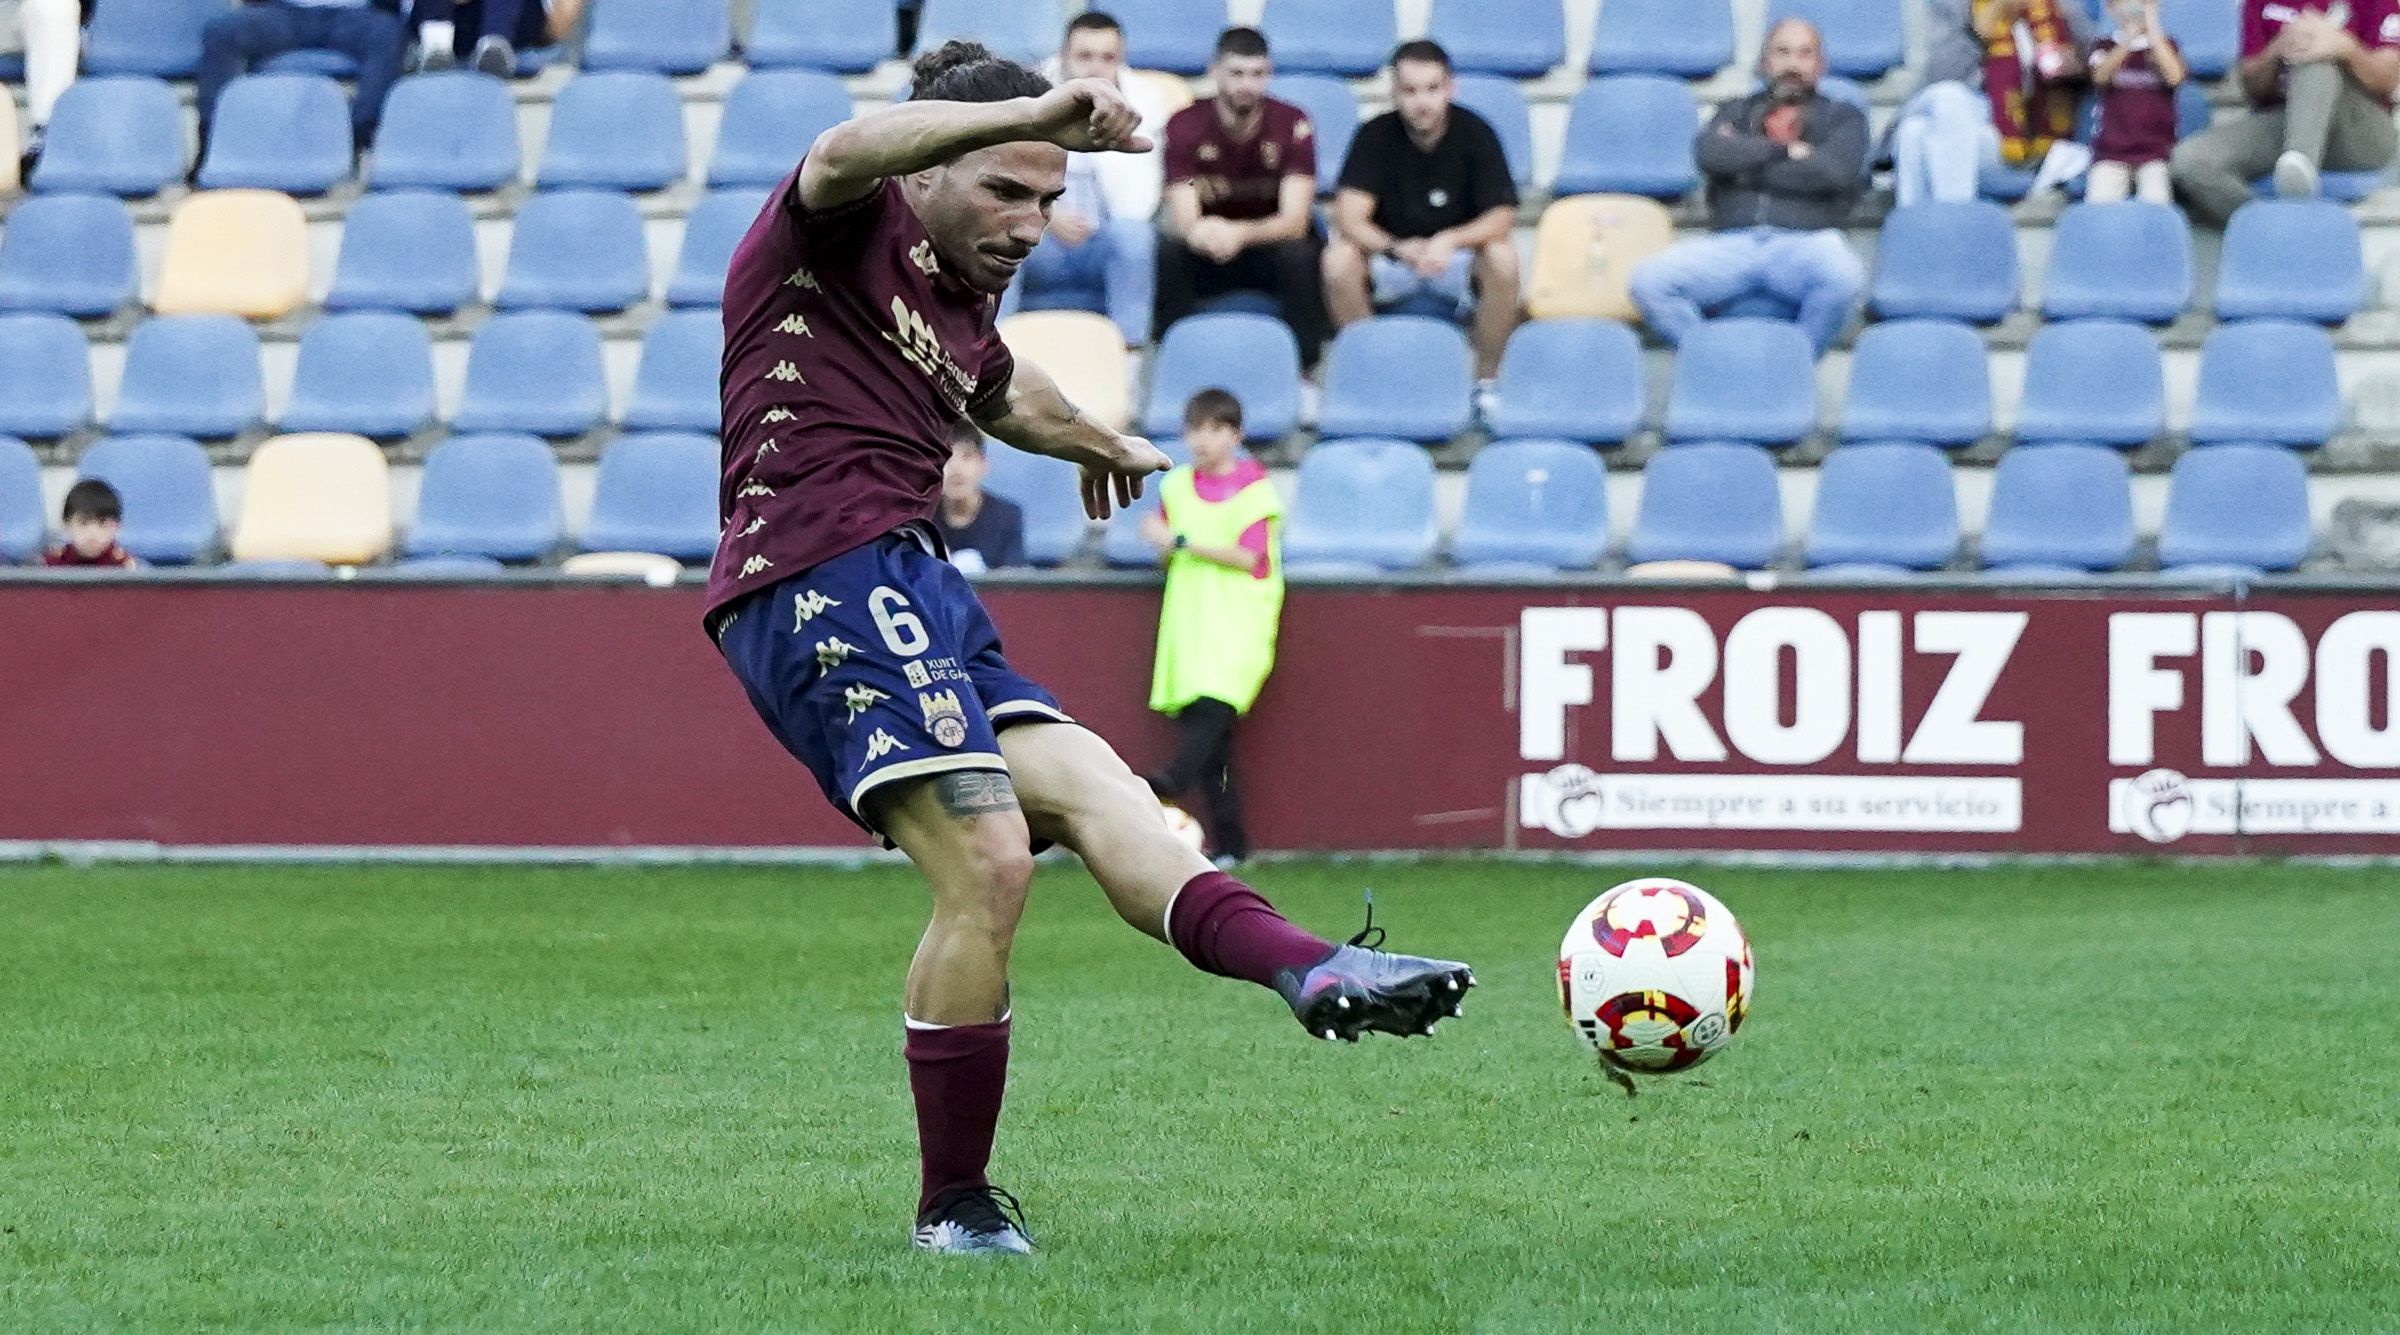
1361	989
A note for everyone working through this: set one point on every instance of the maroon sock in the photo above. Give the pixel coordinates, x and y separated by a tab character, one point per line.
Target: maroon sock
957	1074
1224	927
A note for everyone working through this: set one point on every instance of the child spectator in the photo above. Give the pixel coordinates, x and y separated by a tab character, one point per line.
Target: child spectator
94	516
2137	69
983	531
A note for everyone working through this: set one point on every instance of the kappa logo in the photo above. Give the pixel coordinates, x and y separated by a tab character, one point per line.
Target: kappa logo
793	324
859	699
944	718
755	526
754	565
832	653
917	676
808	603
774	415
785	372
802	278
755	489
921	255
882	744
768	446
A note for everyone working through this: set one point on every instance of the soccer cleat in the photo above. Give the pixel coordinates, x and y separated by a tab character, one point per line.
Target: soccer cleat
1362	989
974	1221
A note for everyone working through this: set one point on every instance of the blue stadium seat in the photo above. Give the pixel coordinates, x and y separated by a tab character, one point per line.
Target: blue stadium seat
311	60
1178	36
407	250
369	373
535	371
2092	380
656	492
1534	502
1367	501
452	131
72	254
494	496
1047	490
676	387
1409	376
45	376
2060	505
771	117
160	38
169	493
1631	134
2292	259
1712	502
1574	379
1121	542
1946	262
1351	38
1026	31
1253	357
621	130
113	136
2127	261
670	36
577	250
1926	380
2208	32
190	375
443	568
1886	504
287	132
1864	39
24	519
845	36
1744	379
2236	505
1690	39
1332	110
717	224
1519	39
1501	103
2270	381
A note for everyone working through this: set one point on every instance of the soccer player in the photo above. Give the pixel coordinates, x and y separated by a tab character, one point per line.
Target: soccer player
858	326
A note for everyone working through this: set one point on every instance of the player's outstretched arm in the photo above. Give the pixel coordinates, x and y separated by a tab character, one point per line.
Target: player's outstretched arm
1033	415
847	161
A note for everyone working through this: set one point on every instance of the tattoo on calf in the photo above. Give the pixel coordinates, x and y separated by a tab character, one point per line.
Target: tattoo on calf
975	792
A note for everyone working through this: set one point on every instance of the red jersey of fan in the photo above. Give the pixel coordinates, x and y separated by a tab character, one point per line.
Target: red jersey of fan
1239	178
2137	109
116	555
2375	23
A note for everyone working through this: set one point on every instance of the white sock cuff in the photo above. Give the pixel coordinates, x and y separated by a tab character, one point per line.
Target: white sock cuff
909	1021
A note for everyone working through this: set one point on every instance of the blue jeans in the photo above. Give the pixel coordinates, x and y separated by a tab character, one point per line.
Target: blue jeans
1814	271
1940	145
232	44
1120	261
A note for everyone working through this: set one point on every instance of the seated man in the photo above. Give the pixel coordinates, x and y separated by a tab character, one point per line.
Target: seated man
1241	177
2320	87
982	531
1783	168
1427	208
368	31
487	34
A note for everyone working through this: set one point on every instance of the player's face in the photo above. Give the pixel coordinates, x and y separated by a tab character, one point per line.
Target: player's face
91	537
1792	62
962	477
987	210
1093	53
1241	82
1421	90
1212	445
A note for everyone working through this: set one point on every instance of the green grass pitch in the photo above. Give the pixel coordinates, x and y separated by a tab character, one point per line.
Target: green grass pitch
2156	1098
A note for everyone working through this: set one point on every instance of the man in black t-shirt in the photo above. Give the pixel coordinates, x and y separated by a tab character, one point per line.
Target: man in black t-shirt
982	531
1425	211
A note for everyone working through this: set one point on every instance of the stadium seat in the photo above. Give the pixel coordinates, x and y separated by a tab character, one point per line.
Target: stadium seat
24	519
536	371
190	375
716	225
1584	253
494	496
577	250
451	131
45	376
1710	502
1501	103
70	254
1121	542
1349	38
621	130
1408	376
2092	380
1177	36
408	250
1533	502
234	252
1885	504
2127	261
675	388
1364	501
2270	381
1025	31
2236	505
169	492
771	117
2060	505
1864	39
1946	262
1743	379
1630	134
1084	353
1332	110
160	38
2291	259
669	36
1517	39
1926	380
845	36
1578	380
2207	32
119	135
656	492
1253	357
288	132
13	145
311	60
1047	490
313	497
1689	39
1172	92
444	568
368	373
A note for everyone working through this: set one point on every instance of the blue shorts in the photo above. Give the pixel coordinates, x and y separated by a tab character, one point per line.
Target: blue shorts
876	666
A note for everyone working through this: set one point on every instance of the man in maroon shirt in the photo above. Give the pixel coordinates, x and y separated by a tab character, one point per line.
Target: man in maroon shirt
858	327
2320	75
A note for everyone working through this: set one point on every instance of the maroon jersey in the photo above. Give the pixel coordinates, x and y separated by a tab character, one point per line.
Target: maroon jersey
2375	23
1239	178
849	352
2137	109
116	555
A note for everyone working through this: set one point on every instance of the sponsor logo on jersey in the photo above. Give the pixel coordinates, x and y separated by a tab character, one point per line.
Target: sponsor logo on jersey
882	744
917	676
754	565
921	255
859	699
1302	129
774	415
755	489
832	653
921	348
808	603
785	372
1270	155
793	324
944	718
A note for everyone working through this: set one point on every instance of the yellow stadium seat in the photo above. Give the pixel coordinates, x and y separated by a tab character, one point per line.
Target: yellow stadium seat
12	147
235	252
315	497
1084	353
648	567
1682	570
1584	252
1173	91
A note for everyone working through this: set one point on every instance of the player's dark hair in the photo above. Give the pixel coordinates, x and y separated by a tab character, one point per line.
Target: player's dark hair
1093	20
92	499
1424	50
969	72
1212	407
1241	42
965	435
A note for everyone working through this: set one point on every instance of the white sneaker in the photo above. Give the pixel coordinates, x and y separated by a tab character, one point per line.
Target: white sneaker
2295	176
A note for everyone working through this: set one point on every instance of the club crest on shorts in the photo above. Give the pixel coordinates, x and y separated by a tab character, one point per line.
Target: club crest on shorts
944	718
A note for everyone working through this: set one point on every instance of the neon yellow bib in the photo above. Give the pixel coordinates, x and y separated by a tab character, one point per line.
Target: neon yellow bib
1216	627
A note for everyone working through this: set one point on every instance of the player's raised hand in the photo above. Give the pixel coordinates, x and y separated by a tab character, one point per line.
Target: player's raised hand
1089	116
1115	483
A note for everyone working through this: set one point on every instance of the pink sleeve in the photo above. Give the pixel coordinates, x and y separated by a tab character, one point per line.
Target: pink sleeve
2377	25
2254	28
1254	541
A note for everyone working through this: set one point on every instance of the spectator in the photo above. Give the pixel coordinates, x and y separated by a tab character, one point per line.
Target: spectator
2002	79
368	31
487	34
1241	179
1427	208
1218	529
1783	167
94	516
50	33
2320	93
2137	69
982	531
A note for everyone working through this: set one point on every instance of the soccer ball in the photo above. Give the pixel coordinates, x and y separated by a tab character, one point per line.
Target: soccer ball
1655	975
1187	829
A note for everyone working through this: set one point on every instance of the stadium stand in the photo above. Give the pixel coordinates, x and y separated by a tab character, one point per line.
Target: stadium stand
667	36
1709	502
2099	381
1502	105
1927	380
648	567
287	132
1578	380
45	376
1349	38
1364	502
1743	379
620	130
534	371
675	388
1046	490
1946	262
1540	503
160	38
1408	376
2207	32
2127	261
410	250
190	375
315	498
113	136
1890	504
366	373
1254	357
2267	381
1176	36
170	499
1332	109
842	36
24	521
1864	39
1630	134
716	225
771	117
2238	506
1022	30
576	250
1517	39
1083	352
68	254
450	131
234	252
1584	253
2289	259
1689	39
2059	506
494	496
655	492
446	567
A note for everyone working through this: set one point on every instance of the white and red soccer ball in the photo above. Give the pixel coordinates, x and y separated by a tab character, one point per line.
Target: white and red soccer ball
1655	975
